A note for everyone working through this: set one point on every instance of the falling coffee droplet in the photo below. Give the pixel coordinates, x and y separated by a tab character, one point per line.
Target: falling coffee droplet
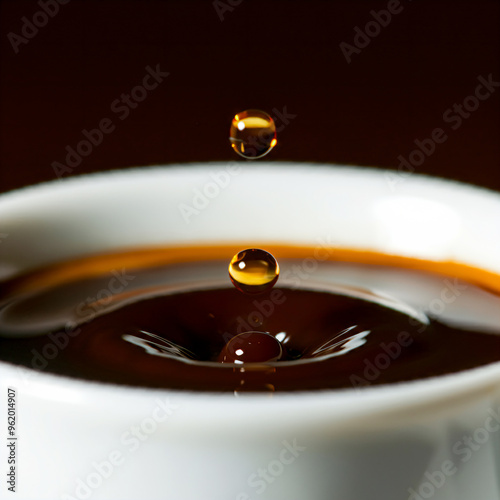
253	270
251	347
252	134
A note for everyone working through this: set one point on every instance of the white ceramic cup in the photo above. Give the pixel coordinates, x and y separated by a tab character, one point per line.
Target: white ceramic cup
436	438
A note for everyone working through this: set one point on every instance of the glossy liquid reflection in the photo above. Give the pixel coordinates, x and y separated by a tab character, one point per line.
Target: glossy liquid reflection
253	270
252	134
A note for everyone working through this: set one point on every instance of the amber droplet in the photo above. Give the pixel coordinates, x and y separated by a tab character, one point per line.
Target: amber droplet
253	270
251	347
252	134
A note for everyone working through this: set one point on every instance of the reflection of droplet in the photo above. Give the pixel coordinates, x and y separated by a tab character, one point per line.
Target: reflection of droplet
253	270
244	389
254	377
251	347
252	134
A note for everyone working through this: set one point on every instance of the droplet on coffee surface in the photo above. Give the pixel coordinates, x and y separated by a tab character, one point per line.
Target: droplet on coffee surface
252	134
251	347
253	270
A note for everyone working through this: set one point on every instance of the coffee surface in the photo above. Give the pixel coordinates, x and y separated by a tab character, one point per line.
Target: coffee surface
171	318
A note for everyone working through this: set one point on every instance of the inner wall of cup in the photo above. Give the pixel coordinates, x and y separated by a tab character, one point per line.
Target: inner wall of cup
286	203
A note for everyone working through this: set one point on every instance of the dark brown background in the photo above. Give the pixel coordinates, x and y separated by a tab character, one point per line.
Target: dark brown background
263	55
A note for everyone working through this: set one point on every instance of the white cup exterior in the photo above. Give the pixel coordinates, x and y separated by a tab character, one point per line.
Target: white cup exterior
437	438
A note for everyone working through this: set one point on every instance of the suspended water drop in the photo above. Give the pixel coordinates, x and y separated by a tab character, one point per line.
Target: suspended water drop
253	270
252	134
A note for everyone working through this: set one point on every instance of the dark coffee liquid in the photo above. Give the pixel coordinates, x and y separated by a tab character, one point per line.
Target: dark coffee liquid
162	318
